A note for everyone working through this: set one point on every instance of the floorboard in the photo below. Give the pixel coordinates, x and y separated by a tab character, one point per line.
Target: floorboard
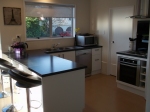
101	95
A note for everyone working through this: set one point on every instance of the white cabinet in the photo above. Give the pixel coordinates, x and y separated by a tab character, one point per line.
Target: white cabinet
70	55
96	59
143	74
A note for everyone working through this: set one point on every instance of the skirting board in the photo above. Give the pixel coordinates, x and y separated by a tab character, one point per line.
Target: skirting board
96	72
132	90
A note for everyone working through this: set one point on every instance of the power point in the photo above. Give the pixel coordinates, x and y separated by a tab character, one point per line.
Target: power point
18	36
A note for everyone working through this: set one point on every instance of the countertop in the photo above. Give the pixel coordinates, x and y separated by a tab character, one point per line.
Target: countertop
44	64
139	54
75	48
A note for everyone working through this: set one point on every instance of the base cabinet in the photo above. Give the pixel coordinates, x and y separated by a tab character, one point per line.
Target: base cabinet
64	92
96	59
128	70
70	55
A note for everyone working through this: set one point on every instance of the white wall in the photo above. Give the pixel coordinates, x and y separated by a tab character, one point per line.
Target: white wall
99	23
0	41
0	46
10	31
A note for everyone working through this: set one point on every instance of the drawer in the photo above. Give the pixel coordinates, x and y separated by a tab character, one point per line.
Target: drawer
96	51
80	52
96	62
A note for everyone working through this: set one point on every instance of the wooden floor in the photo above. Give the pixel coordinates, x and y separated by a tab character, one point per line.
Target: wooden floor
102	95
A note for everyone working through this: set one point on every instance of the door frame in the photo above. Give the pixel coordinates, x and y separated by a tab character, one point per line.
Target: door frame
109	35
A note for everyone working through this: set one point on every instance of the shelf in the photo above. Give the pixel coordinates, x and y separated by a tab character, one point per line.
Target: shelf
143	66
142	86
142	80
145	41
143	74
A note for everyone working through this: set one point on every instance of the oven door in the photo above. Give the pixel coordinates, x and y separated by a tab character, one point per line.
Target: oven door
129	73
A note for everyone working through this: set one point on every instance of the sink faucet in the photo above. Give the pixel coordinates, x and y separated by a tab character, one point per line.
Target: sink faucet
55	45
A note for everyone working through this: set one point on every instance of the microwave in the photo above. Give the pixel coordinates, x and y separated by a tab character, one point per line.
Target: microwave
89	40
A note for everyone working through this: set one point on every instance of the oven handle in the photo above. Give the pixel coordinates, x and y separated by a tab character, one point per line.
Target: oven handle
128	65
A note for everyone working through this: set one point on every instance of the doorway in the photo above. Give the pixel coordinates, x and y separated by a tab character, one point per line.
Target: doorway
120	29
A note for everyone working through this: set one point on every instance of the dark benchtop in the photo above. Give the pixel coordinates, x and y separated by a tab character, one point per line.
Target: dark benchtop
44	64
139	54
75	48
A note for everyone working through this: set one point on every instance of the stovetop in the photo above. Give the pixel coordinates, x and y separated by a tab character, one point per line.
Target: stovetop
142	54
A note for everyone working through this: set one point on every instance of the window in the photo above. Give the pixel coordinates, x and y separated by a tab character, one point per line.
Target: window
45	20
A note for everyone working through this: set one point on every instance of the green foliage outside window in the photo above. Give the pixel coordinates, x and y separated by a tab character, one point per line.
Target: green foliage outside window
36	28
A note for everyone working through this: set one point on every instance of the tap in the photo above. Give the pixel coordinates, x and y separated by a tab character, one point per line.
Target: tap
55	45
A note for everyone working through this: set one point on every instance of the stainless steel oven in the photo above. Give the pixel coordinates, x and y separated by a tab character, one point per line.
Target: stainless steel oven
128	70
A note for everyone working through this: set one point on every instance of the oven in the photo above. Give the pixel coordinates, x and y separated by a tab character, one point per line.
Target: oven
128	70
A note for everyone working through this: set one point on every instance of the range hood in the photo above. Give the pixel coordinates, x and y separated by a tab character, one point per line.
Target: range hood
142	9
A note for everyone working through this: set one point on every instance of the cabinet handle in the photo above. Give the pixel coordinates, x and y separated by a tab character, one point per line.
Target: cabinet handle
96	59
96	49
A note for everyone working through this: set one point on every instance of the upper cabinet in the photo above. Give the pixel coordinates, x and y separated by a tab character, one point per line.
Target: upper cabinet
142	35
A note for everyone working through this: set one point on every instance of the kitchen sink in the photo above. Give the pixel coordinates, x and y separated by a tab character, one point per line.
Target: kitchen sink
63	48
57	49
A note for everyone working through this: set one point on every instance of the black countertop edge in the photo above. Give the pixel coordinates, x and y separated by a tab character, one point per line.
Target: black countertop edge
74	49
59	72
134	55
45	65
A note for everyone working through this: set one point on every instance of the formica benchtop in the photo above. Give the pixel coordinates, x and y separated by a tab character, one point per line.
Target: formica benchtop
44	64
134	53
75	48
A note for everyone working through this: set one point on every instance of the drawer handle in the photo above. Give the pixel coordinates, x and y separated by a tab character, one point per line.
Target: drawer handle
96	59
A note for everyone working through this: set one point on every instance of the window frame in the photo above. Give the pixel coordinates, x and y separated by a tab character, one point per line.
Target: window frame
51	37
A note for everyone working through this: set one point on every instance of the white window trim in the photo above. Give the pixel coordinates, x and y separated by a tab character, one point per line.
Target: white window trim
49	38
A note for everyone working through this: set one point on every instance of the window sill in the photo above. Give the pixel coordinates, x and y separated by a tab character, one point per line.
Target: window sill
51	38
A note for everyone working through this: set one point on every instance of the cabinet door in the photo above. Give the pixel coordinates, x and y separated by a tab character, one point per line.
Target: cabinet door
96	62
96	51
66	55
56	54
69	55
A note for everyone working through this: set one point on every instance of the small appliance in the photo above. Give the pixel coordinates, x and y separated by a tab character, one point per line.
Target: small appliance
86	40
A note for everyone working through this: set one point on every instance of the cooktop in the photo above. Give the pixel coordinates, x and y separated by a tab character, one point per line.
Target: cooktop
142	54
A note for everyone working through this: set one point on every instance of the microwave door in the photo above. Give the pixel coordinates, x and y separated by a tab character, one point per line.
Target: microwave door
89	41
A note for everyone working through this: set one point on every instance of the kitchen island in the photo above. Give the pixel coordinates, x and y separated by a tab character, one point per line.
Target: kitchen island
63	81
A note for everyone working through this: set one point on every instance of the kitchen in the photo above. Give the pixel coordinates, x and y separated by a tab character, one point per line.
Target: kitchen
96	22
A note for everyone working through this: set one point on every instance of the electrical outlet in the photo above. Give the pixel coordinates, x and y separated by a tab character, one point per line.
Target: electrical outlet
18	36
